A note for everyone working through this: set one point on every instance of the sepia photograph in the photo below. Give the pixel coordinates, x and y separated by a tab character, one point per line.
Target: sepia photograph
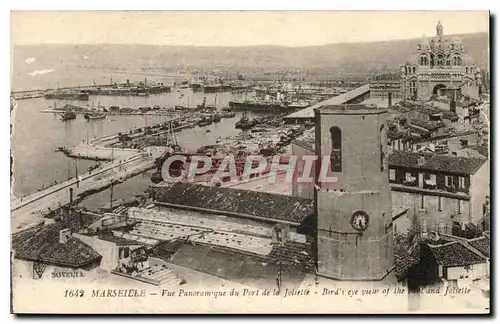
250	162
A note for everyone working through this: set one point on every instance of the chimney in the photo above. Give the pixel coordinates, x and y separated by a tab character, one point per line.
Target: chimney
64	235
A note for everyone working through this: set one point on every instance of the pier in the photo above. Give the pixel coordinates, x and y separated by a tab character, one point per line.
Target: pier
123	163
30	209
39	93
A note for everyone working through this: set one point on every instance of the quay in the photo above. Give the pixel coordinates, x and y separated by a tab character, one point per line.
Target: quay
30	209
124	163
137	112
39	93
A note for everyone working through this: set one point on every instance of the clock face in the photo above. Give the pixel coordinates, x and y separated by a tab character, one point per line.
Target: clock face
359	220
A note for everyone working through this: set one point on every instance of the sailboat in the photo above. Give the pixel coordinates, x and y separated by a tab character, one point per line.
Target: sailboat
96	114
68	113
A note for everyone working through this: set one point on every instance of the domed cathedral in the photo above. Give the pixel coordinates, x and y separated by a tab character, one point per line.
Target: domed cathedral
440	67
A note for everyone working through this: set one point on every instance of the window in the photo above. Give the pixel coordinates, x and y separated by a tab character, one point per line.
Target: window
430	179
461	182
126	252
459	207
336	156
392	175
439	60
448	181
409	177
423	60
440	203
422	202
457	60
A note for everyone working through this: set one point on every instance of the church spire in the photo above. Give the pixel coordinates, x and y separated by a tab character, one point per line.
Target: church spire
439	29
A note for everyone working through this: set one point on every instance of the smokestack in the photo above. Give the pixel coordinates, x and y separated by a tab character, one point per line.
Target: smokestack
389	99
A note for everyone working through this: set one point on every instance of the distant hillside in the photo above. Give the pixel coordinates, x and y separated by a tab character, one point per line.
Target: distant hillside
330	61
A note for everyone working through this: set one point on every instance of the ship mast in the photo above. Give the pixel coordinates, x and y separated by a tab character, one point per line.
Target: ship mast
246	105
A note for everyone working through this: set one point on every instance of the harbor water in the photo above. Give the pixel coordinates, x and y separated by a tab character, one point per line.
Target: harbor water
37	135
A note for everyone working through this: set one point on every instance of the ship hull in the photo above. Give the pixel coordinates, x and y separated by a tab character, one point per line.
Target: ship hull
235	105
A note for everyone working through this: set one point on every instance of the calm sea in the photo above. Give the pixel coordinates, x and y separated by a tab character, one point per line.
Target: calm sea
36	136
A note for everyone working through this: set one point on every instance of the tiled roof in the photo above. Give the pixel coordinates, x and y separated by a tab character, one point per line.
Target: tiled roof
428	110
455	254
437	162
482	244
248	269
109	237
245	202
293	254
446	136
482	149
43	246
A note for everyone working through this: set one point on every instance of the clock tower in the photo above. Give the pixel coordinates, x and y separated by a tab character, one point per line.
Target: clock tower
354	220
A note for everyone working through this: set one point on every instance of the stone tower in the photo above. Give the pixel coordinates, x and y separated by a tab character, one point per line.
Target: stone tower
354	225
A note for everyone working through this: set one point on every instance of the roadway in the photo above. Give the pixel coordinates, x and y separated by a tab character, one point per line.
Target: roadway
31	209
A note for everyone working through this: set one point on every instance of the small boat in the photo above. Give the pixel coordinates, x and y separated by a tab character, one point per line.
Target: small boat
245	123
217	118
226	114
204	123
93	116
68	116
68	113
96	114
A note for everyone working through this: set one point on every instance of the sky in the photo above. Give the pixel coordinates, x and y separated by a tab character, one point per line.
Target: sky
236	28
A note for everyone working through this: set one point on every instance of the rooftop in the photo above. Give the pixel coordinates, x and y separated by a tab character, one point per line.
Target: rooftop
437	162
455	254
482	244
408	106
235	201
481	149
109	237
446	136
337	100
350	109
251	270
42	245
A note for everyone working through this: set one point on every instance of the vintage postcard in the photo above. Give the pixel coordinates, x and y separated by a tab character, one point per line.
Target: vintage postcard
250	162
